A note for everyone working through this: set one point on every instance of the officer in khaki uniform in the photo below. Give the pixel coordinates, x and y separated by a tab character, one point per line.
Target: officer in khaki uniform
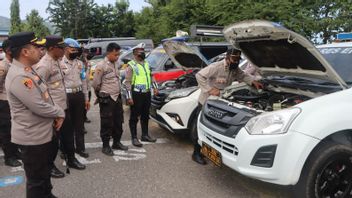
139	82
10	149
77	92
107	86
216	77
34	114
49	69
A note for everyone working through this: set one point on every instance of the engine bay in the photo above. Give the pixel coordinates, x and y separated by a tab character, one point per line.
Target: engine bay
262	100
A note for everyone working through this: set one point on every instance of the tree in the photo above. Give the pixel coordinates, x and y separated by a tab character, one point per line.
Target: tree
71	17
35	23
16	25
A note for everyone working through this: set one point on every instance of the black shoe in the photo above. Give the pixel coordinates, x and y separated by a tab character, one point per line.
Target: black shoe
82	154
87	120
199	159
136	142
107	151
147	138
74	163
119	146
13	162
56	173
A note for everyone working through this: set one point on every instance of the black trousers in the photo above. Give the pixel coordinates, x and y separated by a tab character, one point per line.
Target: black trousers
194	134
140	108
36	161
9	148
66	134
111	119
76	108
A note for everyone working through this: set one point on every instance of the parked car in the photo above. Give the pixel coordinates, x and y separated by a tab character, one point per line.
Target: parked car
182	92
296	131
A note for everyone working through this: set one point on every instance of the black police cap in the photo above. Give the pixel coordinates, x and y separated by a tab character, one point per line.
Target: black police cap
233	51
23	38
54	40
6	44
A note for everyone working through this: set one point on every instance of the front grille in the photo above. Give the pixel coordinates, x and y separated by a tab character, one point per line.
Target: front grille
224	119
222	144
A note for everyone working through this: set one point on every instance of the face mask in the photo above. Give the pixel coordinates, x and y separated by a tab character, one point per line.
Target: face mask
142	55
73	55
233	66
2	55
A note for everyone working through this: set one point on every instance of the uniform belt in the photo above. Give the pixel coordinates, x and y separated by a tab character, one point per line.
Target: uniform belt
141	90
74	90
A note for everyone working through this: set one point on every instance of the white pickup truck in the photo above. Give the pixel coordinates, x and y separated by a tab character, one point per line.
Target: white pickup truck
296	131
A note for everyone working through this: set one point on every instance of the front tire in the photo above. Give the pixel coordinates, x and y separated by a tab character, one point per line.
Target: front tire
327	173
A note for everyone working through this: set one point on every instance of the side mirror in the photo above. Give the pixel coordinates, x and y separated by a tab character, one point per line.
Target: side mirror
169	65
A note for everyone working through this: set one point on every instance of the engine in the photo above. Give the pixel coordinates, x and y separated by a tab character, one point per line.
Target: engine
264	100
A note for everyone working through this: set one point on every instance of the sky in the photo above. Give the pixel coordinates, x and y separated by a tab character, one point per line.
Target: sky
27	5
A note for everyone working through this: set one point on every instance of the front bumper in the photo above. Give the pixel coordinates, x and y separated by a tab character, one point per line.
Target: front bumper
292	150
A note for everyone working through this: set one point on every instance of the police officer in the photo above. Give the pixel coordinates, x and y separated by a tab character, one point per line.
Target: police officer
107	86
9	148
214	78
138	82
49	69
77	92
34	114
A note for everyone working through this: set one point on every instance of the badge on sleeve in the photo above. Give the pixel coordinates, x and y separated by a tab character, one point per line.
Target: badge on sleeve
28	83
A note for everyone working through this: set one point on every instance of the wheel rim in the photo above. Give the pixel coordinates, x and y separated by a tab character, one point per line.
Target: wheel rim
335	179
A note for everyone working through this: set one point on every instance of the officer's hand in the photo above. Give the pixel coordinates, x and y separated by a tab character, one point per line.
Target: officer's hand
87	105
257	85
58	123
156	91
214	92
130	102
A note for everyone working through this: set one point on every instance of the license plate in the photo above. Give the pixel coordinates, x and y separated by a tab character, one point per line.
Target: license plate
212	154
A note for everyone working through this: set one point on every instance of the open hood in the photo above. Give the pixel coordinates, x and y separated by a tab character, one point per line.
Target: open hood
184	55
279	51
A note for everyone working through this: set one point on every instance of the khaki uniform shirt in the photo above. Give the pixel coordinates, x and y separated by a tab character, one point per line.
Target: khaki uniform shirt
49	69
4	68
218	75
106	78
72	75
32	109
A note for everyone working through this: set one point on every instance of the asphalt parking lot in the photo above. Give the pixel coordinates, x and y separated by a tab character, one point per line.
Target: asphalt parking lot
163	169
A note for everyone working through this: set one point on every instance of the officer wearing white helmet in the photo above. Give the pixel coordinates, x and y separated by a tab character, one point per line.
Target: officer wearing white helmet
139	83
77	92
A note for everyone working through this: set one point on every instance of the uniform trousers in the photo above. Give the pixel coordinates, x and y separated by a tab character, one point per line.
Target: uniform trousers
76	108
140	108
36	161
9	148
111	119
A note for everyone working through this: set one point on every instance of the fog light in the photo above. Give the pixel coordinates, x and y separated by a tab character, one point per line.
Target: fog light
176	118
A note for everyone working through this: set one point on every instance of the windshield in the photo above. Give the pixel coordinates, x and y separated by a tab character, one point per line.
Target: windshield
340	59
156	57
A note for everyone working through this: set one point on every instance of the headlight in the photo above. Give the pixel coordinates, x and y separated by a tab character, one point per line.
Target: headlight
276	122
181	93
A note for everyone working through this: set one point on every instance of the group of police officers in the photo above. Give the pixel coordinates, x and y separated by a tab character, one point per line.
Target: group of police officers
48	97
44	98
